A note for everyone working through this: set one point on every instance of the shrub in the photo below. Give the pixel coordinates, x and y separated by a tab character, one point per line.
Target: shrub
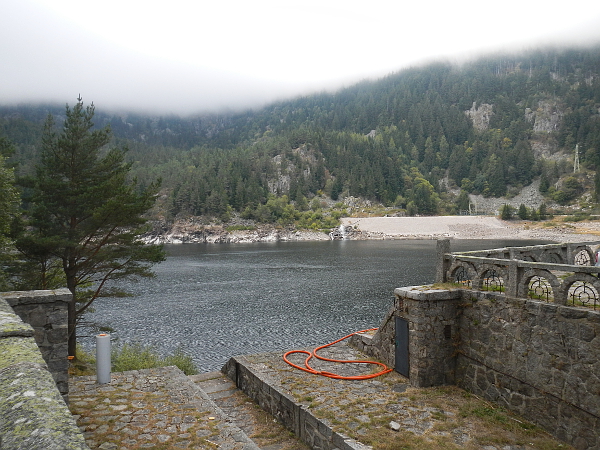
136	356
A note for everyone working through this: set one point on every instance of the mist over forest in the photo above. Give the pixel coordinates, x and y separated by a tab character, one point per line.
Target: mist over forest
419	140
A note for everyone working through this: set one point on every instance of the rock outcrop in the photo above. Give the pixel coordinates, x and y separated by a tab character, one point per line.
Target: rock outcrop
192	233
480	115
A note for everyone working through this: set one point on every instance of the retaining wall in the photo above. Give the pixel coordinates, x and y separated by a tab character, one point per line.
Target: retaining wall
33	413
295	417
540	360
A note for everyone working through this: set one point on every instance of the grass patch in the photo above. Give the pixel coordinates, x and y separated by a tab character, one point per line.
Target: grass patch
136	356
578	217
446	286
133	357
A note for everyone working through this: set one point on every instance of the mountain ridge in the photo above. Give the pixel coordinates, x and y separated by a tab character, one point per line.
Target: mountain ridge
424	140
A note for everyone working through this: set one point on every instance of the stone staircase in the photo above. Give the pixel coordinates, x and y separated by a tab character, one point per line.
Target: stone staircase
242	412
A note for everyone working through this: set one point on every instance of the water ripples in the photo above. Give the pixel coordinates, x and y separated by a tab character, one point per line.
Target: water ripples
220	300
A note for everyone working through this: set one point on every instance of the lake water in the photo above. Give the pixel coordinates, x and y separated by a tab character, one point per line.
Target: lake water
221	300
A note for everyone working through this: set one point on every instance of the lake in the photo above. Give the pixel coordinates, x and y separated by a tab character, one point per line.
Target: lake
221	300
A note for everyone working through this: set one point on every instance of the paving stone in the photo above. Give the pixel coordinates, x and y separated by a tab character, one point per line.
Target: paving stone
166	407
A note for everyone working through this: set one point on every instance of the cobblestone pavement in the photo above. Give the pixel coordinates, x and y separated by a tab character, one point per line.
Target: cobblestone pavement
153	408
386	412
164	409
262	428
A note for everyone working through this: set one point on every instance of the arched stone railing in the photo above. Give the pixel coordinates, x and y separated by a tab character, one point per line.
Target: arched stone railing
490	277
527	272
540	284
581	290
462	273
552	256
583	256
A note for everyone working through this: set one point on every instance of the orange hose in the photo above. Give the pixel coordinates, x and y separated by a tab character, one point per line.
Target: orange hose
309	369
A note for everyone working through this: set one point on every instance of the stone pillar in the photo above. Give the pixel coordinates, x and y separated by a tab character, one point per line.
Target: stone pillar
512	284
570	253
433	331
46	312
443	247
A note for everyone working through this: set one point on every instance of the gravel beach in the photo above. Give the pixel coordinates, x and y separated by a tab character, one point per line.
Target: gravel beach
468	227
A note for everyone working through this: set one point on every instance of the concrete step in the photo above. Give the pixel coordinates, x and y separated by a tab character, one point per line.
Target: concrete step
263	429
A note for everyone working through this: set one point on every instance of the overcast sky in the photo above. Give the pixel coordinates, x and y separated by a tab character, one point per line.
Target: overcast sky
185	56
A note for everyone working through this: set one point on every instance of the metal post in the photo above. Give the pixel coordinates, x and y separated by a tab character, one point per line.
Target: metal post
103	358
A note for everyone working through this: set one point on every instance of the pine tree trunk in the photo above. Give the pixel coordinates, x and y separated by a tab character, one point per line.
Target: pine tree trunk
72	328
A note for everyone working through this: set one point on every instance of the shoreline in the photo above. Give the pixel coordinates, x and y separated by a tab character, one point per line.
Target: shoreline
472	227
386	228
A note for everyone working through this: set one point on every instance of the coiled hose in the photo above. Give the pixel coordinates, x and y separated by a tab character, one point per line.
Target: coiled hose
307	368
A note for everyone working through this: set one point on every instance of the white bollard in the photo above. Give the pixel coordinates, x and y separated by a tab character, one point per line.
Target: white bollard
103	358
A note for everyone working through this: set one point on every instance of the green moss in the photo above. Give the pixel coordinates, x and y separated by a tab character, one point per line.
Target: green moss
14	328
15	350
32	412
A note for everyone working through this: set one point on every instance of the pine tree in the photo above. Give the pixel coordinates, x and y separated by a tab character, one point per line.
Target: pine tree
9	202
86	213
463	201
523	213
543	212
506	212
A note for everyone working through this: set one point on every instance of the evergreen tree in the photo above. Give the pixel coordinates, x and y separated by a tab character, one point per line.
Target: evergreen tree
534	215
86	213
463	201
424	197
543	212
9	202
523	213
506	213
545	184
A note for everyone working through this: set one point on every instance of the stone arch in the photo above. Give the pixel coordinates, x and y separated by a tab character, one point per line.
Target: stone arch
527	256
462	272
552	256
553	285
583	255
490	277
581	288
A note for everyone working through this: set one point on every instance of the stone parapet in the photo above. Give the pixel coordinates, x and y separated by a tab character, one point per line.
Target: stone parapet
47	314
538	359
33	414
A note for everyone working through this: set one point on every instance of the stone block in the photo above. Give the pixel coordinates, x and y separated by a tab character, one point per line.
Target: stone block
36	317
12	325
29	399
20	350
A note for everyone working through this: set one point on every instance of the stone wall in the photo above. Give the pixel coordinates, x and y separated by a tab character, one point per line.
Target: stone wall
540	360
259	386
46	312
33	414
